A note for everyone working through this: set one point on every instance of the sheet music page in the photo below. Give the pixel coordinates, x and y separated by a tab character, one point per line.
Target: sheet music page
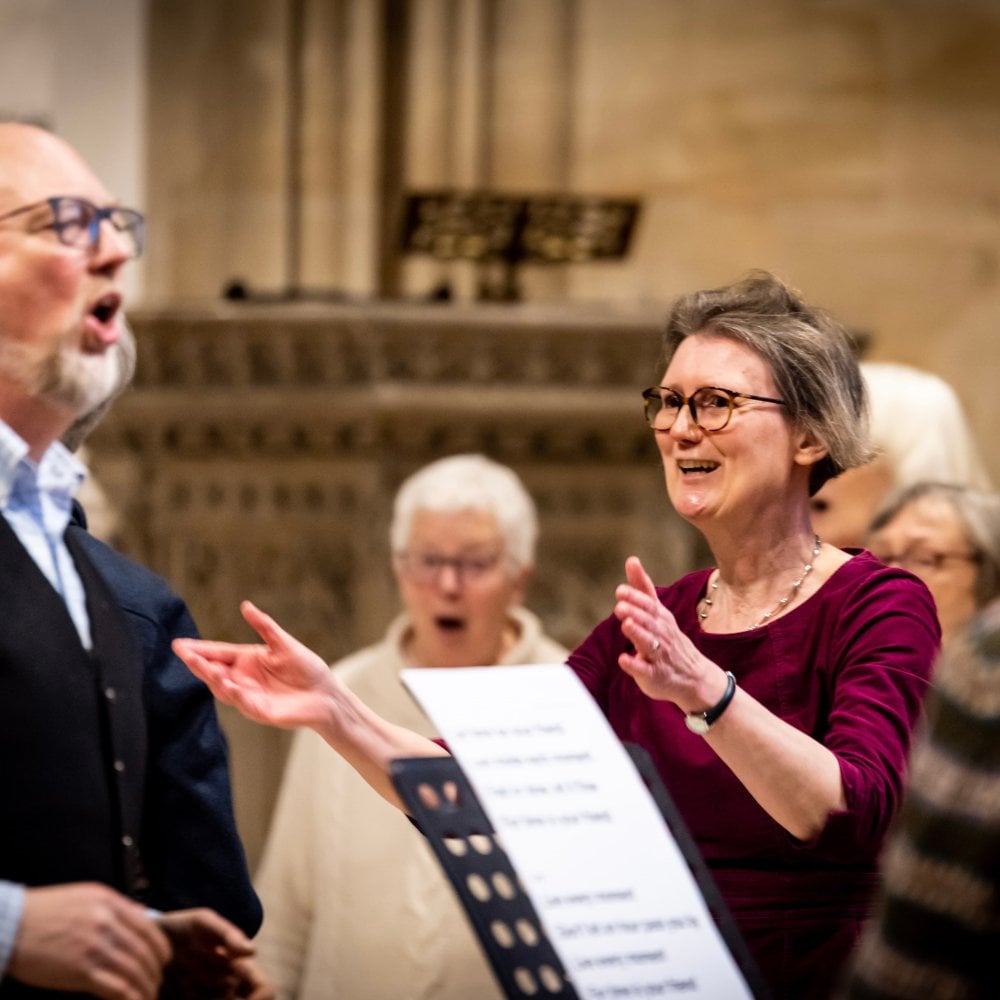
607	879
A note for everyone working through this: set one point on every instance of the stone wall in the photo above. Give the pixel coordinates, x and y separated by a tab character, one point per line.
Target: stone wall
852	146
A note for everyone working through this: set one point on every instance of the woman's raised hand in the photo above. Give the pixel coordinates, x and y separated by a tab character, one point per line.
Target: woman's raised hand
666	665
280	683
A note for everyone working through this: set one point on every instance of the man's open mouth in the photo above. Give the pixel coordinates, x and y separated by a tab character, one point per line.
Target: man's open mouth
106	307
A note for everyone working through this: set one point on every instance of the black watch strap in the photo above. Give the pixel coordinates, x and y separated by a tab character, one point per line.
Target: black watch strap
701	722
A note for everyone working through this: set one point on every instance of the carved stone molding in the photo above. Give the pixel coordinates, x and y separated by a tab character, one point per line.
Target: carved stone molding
266	442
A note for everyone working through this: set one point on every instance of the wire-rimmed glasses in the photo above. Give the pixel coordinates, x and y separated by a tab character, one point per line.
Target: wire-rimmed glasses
920	560
710	406
77	222
425	568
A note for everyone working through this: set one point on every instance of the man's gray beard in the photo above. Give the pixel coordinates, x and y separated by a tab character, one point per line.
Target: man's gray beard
69	378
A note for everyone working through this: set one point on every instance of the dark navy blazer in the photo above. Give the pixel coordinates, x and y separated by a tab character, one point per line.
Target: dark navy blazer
190	847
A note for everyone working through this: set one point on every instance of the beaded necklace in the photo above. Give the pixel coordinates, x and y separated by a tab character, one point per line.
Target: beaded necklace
707	600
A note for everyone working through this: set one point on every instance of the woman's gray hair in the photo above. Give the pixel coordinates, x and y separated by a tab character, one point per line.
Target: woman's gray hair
979	513
919	427
470	482
810	355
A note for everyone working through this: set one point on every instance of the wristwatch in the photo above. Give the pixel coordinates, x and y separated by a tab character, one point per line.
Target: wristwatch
702	722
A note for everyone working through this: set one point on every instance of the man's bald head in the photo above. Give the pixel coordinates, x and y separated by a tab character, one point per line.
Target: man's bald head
35	162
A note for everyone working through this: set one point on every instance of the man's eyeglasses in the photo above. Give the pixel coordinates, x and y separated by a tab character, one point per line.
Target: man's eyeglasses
920	561
425	568
77	222
710	407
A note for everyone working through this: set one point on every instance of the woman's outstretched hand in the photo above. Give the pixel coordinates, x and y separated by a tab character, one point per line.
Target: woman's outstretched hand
280	683
666	665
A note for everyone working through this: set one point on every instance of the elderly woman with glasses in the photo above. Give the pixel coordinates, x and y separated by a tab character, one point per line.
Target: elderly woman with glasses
934	932
776	690
949	536
342	873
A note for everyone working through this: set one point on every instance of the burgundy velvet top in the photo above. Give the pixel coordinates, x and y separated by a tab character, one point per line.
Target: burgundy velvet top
849	666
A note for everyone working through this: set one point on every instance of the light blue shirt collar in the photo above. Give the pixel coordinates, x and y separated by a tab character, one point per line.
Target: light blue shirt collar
36	499
58	476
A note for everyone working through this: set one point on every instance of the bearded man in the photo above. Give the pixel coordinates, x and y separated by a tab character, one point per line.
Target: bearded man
112	767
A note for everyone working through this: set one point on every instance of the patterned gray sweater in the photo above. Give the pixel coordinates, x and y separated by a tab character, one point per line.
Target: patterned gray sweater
937	930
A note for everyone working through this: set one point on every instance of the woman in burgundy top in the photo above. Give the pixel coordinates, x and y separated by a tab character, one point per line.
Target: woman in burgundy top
798	668
775	692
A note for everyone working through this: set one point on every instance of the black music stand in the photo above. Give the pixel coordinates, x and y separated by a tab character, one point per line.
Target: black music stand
441	801
500	231
444	805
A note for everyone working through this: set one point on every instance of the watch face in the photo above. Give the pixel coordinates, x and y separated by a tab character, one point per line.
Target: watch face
696	723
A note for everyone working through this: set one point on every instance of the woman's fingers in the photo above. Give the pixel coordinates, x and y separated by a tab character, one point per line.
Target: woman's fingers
638	596
207	651
215	673
639	669
195	662
274	636
263	624
638	577
645	622
646	642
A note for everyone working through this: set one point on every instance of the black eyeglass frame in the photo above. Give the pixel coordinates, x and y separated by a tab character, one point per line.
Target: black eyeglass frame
426	567
125	220
655	394
932	561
